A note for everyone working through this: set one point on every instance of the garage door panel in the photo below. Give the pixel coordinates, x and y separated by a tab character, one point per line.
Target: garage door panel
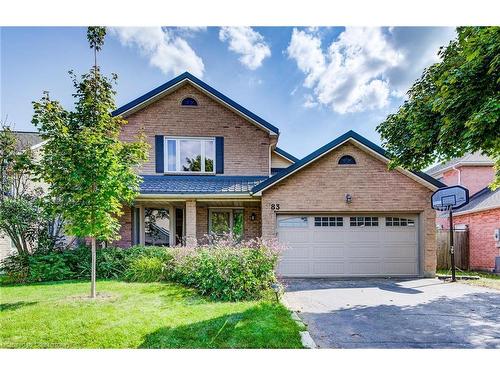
363	251
328	268
297	252
293	268
294	237
362	236
349	251
399	268
328	251
403	236
399	251
328	236
365	268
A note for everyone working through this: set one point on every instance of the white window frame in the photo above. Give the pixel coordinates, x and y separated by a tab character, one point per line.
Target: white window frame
231	218
178	154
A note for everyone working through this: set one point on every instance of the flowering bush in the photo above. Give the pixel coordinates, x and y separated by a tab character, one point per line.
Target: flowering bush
226	270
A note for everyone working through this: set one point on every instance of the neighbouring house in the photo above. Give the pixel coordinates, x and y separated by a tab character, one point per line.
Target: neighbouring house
481	217
215	168
24	140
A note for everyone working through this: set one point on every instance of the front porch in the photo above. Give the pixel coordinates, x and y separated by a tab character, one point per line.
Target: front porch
157	221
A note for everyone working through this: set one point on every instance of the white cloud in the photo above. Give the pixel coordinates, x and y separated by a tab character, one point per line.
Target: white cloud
246	42
309	101
350	75
164	49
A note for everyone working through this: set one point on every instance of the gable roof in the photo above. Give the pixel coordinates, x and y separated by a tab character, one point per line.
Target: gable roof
484	199
350	135
476	158
27	139
286	155
174	83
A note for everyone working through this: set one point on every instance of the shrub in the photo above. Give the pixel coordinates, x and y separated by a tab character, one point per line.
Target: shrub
50	267
15	268
113	262
228	271
145	269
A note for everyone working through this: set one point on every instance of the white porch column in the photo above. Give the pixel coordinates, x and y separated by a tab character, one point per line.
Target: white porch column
191	222
142	226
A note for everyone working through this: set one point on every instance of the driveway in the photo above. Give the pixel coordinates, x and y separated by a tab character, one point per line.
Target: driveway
394	313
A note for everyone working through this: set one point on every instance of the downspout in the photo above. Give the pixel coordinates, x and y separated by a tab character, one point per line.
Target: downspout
459	175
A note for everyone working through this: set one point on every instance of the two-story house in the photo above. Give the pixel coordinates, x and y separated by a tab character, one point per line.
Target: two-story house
481	217
215	168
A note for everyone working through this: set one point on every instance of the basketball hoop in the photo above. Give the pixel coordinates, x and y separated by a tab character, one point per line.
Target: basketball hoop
447	199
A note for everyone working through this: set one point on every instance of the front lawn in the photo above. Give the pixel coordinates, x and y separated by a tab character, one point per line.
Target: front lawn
488	280
136	315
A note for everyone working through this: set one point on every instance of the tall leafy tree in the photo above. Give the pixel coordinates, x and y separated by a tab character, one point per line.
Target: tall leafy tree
19	208
90	171
454	108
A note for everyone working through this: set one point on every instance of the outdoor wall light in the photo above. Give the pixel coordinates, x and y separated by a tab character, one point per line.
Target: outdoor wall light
348	198
253	216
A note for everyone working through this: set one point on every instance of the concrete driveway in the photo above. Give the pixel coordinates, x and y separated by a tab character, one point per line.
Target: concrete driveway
392	313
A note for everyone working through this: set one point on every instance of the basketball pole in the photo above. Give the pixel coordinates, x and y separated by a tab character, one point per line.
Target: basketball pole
452	250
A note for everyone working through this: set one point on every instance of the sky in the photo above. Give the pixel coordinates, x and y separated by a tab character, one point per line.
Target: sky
313	83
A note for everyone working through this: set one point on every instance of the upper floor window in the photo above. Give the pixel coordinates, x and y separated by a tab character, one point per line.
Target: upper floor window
189	102
347	159
190	155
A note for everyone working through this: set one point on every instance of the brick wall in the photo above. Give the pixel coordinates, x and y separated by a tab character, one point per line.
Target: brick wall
482	246
246	146
125	229
321	187
473	178
252	229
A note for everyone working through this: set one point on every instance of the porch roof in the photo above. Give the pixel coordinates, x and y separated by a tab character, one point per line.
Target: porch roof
189	184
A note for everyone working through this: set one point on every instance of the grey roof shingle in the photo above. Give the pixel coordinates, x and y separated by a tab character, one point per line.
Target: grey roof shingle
199	184
27	139
474	158
483	200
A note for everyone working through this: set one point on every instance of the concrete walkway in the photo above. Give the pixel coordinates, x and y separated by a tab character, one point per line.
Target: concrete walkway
385	313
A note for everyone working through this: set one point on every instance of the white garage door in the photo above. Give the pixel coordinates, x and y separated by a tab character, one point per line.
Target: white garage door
356	245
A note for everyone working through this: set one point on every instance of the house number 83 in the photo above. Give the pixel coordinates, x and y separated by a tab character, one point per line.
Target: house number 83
275	206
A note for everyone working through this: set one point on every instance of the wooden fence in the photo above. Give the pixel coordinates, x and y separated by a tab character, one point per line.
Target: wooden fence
461	246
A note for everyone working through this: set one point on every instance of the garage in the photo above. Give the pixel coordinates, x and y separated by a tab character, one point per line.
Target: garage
337	245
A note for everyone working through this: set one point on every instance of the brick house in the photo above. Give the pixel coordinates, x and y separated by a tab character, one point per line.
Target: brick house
215	168
482	215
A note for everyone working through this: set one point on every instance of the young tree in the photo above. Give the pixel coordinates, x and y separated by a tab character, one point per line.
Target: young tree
90	171
454	108
19	208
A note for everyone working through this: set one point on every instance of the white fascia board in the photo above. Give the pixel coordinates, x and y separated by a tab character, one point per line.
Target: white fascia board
283	156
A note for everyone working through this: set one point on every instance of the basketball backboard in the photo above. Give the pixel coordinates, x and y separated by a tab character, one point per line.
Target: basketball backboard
451	197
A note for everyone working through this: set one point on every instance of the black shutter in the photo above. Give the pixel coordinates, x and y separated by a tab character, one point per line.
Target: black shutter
219	155
159	154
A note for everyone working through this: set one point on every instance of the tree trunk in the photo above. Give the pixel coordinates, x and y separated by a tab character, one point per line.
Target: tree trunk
93	269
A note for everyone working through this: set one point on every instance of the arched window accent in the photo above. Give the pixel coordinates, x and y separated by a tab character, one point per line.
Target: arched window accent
189	102
347	159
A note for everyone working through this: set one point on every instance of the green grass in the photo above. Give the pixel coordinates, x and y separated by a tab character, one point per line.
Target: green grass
488	280
135	315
